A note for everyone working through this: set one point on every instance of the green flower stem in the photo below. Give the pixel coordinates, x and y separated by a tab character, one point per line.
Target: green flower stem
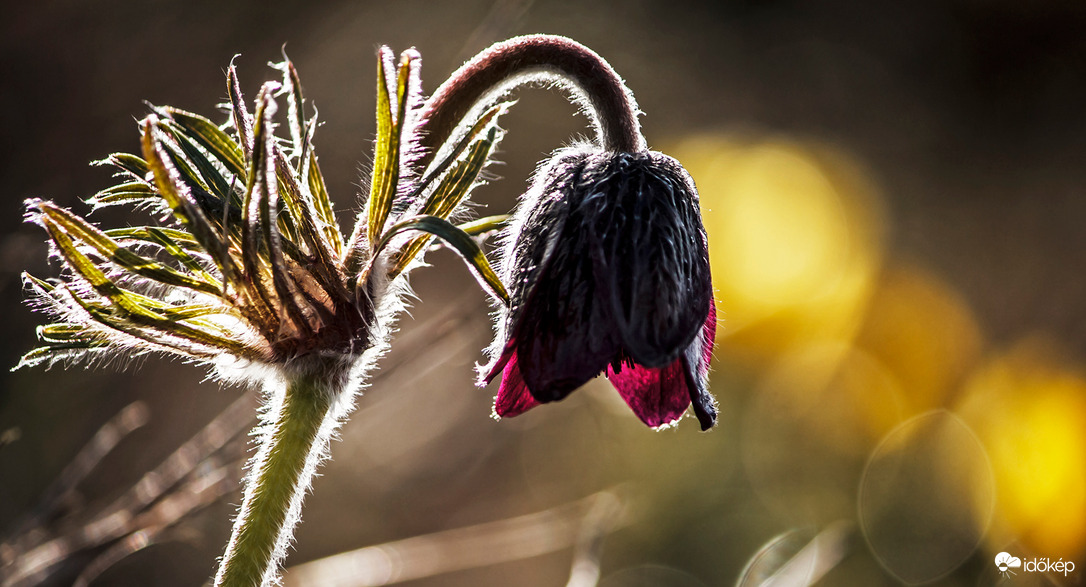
295	437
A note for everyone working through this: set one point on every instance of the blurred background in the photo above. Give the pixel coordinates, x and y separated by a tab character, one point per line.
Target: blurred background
894	199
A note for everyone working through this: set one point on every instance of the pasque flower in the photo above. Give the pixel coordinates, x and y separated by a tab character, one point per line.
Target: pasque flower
608	273
606	258
250	268
248	272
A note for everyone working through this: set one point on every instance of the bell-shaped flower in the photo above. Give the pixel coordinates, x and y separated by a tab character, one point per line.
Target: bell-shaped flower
608	272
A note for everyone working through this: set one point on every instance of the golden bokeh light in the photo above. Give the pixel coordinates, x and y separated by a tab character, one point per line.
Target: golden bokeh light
794	239
1030	412
922	330
926	497
816	416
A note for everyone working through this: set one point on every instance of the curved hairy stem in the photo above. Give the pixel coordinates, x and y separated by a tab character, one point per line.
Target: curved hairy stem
536	58
293	440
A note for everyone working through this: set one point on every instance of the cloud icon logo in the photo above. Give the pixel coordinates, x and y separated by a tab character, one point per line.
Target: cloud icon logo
1004	562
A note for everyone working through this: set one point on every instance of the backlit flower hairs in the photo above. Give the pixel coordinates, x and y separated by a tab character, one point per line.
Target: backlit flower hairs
248	272
608	273
606	259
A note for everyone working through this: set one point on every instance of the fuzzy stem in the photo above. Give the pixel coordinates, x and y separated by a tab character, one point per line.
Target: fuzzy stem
536	58
294	437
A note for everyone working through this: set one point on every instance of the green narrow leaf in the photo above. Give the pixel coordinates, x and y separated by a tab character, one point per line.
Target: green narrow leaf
456	185
289	185
323	204
37	283
184	208
386	163
292	85
127	162
126	313
87	233
176	243
74	344
130	186
205	132
484	225
267	199
133	192
243	123
160	331
254	257
175	250
289	192
180	162
190	311
486	120
310	224
317	196
460	241
58	352
320	256
448	194
216	209
264	246
64	333
88	270
212	176
143	233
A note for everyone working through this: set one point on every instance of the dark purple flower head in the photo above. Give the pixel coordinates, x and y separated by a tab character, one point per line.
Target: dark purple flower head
608	272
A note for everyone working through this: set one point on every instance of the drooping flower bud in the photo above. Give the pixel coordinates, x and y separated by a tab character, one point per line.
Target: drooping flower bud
608	272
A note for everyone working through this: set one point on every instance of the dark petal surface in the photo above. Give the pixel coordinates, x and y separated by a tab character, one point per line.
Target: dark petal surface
513	397
640	218
609	262
657	395
572	338
563	337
